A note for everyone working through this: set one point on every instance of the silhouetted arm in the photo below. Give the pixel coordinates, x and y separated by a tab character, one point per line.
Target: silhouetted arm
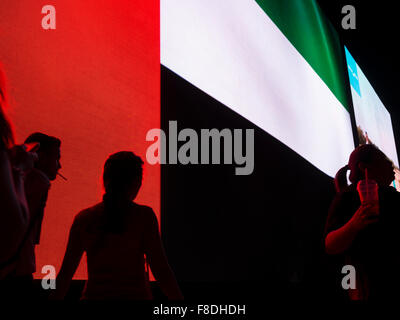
340	240
71	261
14	213
158	261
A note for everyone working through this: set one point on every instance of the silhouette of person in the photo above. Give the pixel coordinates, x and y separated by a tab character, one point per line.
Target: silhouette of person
37	185
365	235
116	234
14	213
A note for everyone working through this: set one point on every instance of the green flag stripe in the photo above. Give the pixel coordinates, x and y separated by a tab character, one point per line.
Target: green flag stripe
306	27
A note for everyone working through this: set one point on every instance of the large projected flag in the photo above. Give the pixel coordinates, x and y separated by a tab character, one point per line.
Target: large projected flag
277	63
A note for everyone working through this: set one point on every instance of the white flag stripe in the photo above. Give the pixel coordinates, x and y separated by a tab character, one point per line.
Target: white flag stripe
235	53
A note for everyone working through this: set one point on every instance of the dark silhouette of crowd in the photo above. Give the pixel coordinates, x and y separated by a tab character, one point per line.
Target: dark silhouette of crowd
119	236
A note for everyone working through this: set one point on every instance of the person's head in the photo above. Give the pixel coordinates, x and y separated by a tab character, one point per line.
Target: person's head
49	153
122	176
6	132
368	157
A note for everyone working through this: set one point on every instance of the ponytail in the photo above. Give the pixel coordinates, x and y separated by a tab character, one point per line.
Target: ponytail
341	179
